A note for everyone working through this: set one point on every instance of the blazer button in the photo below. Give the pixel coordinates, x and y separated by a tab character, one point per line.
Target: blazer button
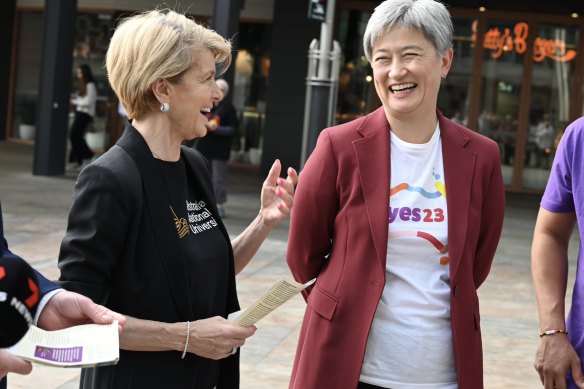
454	290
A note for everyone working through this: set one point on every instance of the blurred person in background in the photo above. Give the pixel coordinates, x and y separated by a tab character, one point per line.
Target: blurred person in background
216	145
84	104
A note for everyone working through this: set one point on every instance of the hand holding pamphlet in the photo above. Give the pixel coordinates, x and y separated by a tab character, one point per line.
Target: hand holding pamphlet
80	346
283	290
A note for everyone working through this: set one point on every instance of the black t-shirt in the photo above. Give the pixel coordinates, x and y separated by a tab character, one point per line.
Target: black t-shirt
205	247
206	251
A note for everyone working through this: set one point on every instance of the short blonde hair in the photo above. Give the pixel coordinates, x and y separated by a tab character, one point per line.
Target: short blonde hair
154	45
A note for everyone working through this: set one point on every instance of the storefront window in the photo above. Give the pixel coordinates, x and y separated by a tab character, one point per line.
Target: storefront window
27	76
553	75
92	38
453	99
355	78
252	69
91	43
503	58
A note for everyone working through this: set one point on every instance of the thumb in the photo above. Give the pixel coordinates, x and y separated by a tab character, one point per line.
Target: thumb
12	364
274	173
577	375
94	312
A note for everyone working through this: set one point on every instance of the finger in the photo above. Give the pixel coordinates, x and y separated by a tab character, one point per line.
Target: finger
274	173
577	375
11	364
284	208
245	332
98	313
287	196
559	382
292	176
286	185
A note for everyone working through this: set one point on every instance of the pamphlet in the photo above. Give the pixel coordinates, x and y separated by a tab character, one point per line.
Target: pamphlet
79	346
283	290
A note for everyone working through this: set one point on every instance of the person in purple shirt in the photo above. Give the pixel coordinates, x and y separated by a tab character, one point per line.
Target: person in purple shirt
561	348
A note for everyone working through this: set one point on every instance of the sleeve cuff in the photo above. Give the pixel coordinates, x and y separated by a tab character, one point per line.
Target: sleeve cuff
44	302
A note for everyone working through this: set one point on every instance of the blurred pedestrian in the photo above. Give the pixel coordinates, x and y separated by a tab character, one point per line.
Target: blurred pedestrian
84	103
216	145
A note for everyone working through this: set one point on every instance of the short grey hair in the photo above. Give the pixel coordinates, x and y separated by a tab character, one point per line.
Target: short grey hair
223	85
430	17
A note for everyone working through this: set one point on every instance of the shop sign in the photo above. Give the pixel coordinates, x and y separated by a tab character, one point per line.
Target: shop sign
499	42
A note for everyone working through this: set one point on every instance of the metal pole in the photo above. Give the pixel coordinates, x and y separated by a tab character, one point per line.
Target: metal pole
326	36
320	85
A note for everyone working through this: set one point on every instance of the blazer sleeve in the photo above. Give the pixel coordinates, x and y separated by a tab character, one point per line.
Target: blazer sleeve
493	211
18	280
313	214
96	232
44	285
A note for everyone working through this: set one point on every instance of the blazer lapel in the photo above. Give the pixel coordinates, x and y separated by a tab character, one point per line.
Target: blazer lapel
372	152
161	219
459	166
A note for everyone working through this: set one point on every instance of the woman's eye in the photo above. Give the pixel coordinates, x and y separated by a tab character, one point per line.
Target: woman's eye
382	60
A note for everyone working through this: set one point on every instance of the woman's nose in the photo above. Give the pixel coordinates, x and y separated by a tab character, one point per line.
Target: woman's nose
396	70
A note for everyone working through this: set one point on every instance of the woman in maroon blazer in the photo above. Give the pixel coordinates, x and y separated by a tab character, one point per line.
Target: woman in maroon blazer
398	214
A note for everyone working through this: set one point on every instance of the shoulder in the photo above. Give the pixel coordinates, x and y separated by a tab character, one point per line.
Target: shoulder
345	132
115	169
575	131
466	135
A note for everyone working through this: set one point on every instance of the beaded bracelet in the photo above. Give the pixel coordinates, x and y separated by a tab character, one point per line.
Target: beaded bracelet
553	332
187	340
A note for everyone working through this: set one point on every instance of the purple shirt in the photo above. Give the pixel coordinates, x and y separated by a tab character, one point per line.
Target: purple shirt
565	193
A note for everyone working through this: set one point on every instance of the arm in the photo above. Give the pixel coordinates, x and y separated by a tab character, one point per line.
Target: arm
549	269
89	99
492	214
276	201
313	216
212	338
89	258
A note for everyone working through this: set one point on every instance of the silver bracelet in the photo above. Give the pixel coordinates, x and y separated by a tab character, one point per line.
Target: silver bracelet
187	340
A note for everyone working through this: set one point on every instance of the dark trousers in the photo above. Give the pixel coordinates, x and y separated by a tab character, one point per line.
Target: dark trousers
79	148
363	385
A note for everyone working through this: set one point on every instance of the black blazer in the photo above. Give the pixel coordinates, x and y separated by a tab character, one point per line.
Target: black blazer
121	250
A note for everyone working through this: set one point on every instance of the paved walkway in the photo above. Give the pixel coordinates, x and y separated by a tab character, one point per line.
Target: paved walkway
35	210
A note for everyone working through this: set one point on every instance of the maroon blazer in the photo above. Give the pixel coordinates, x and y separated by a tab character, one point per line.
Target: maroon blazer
339	231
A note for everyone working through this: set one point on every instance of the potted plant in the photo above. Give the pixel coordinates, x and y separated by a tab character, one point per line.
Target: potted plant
27	126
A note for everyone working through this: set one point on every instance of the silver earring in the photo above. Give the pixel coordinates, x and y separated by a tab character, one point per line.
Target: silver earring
164	107
444	75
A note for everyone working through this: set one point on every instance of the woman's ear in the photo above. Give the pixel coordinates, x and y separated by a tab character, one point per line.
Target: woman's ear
447	61
160	89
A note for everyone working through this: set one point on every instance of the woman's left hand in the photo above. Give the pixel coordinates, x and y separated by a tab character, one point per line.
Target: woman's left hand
277	194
